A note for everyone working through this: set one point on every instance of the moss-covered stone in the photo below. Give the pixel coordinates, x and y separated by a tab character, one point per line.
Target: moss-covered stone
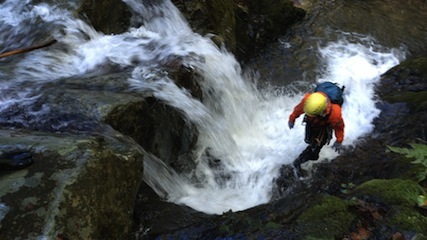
330	219
101	197
390	191
406	218
79	187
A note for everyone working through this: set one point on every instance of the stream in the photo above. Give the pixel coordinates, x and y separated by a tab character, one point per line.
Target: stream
242	123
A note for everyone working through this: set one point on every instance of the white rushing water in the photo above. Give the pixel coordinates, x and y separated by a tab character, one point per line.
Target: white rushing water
243	127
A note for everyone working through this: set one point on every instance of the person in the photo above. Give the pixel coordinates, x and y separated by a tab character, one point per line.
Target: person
322	117
15	160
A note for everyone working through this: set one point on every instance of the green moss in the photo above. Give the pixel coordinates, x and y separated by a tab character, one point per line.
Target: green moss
327	220
407	219
391	191
225	229
272	226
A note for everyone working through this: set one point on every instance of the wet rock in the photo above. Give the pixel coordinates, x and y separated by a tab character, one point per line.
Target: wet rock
109	17
85	175
154	216
404	90
78	187
244	27
158	128
262	22
410	75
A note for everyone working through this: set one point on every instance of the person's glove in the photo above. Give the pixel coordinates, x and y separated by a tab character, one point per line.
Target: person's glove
337	147
291	124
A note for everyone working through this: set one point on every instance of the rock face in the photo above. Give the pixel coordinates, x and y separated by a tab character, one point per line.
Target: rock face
78	187
244	27
85	175
404	89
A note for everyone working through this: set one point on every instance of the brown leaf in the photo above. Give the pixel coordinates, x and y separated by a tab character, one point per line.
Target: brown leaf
362	234
376	215
398	236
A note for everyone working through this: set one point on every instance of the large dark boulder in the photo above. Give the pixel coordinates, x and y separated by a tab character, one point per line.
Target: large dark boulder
79	187
404	93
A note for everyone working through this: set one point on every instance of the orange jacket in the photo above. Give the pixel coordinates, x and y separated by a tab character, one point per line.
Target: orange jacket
335	117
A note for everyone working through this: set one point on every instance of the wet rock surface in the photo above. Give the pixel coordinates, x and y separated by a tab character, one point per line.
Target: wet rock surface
78	187
243	27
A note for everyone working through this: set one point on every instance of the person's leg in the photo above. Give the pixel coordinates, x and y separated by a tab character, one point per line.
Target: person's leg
316	142
308	132
309	153
317	137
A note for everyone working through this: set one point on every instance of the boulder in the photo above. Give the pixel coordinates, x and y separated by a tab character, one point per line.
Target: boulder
85	175
78	187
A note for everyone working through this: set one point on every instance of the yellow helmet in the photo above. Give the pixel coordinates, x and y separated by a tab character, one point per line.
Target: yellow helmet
315	104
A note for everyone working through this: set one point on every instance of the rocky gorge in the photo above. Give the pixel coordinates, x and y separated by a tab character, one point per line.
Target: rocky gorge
87	180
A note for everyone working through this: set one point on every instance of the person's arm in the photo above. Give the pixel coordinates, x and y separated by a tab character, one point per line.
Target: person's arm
298	110
337	122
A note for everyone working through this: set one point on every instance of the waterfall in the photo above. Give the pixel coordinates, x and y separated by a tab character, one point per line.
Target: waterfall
242	128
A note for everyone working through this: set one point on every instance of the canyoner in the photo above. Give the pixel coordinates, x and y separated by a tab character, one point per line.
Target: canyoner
323	115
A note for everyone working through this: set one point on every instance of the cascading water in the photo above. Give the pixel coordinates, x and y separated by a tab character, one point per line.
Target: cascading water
242	128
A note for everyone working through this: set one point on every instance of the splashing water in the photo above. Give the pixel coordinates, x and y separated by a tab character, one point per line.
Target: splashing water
245	129
242	128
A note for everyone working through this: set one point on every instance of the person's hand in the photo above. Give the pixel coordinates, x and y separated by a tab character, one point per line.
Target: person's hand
337	147
291	124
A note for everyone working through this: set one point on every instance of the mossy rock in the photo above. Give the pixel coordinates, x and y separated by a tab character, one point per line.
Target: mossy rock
329	219
407	219
390	191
